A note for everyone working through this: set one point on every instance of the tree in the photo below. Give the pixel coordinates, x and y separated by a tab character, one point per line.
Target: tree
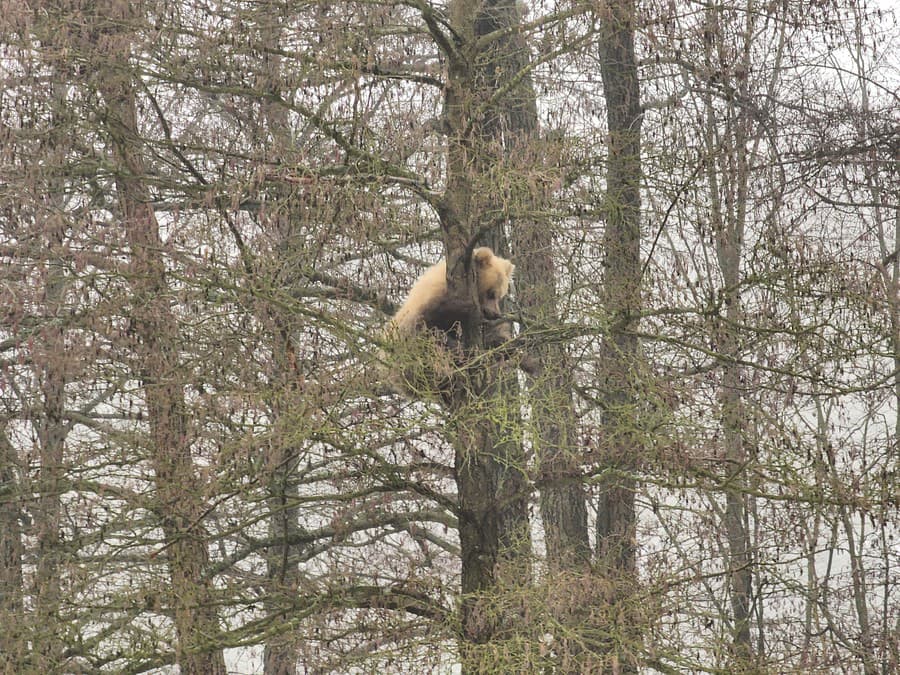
620	355
489	461
156	343
12	610
207	214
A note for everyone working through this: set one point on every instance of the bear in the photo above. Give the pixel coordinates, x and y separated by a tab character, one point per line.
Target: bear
431	363
427	307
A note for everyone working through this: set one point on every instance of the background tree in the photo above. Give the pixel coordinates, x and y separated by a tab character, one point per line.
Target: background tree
619	358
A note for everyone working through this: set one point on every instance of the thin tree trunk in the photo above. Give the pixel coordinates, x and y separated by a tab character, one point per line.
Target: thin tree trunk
890	278
563	502
179	502
729	229
13	642
727	220
51	432
616	518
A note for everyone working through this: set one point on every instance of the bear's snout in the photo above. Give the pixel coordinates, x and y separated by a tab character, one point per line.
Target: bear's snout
491	310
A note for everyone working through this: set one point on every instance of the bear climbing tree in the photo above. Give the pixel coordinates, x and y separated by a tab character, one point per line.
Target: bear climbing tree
430	306
432	314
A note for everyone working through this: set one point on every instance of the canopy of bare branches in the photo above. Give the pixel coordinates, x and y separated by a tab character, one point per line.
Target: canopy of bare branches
681	452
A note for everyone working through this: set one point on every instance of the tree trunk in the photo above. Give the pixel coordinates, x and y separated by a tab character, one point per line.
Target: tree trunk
282	568
729	231
616	518
50	364
727	220
490	464
552	423
13	642
179	496
890	278
282	558
563	505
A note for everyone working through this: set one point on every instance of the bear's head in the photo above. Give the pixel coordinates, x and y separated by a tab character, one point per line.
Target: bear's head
494	274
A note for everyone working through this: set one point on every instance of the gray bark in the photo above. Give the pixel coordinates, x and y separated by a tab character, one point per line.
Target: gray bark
616	518
490	465
13	643
179	503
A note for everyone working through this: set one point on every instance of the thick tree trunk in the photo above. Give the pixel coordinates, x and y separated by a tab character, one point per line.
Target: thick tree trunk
179	503
179	497
515	128
734	423
282	559
616	519
490	464
552	422
507	141
282	568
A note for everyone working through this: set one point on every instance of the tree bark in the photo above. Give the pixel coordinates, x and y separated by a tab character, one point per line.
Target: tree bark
727	220
282	559
563	502
179	496
552	423
616	518
729	234
489	459
13	642
52	432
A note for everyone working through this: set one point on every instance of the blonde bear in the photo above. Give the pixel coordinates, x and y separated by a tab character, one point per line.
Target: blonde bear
427	366
424	308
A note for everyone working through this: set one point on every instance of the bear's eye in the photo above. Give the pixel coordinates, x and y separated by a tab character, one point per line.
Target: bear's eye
491	294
